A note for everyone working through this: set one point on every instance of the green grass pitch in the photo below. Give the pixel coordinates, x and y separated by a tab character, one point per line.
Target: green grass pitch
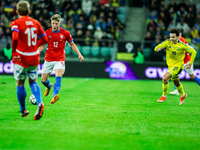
102	114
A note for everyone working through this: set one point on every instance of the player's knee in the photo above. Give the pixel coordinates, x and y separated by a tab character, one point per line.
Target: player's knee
192	76
59	74
177	83
165	80
44	79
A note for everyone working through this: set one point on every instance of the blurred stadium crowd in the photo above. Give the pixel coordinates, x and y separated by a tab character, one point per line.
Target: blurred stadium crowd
163	17
96	26
89	20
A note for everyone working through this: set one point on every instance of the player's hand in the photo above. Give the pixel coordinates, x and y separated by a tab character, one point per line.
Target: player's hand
81	58
17	57
159	49
187	66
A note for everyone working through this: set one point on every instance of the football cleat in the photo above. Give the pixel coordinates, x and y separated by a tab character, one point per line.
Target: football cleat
54	99
39	111
175	92
25	113
162	99
182	99
46	92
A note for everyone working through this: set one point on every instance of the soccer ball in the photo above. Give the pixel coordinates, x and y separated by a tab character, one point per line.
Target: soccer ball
32	100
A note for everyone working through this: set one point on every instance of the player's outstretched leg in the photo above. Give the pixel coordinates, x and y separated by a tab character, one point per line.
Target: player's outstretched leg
182	99
21	96
56	89
162	99
197	80
47	90
25	113
55	99
48	85
182	93
35	89
39	111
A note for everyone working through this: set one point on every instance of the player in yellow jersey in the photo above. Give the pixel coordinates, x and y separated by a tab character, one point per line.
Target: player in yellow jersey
175	53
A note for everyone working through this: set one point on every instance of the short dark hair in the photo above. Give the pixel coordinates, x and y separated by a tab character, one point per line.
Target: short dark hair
180	30
23	8
176	31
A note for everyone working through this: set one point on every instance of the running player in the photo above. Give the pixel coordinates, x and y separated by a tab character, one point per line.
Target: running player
186	61
175	53
55	55
26	56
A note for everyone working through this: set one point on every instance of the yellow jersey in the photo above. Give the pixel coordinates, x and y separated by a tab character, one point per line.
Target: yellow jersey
175	53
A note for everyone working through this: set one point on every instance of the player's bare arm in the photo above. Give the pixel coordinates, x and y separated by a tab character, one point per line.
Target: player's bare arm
188	66
81	57
159	49
41	48
193	53
15	36
75	49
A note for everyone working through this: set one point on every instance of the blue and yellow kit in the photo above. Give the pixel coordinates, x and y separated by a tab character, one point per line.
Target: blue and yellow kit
175	53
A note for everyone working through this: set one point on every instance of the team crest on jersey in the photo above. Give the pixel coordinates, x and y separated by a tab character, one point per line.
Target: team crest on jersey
62	63
61	36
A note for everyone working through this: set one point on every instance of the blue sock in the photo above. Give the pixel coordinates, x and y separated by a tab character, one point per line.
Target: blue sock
21	96
175	87
47	84
57	85
197	80
35	89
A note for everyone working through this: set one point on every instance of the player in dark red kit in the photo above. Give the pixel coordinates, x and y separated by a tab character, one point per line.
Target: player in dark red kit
55	55
26	56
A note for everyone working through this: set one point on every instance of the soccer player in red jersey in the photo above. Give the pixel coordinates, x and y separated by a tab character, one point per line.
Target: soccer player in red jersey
186	61
55	55
25	53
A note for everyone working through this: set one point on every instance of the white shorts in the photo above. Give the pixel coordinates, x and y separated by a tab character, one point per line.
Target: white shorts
49	66
189	71
21	73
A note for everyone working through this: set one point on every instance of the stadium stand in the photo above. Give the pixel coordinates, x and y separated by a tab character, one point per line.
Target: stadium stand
104	51
95	51
165	15
81	22
85	50
111	17
67	51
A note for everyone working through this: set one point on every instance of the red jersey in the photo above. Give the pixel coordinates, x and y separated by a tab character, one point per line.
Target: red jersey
27	30
56	44
187	55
